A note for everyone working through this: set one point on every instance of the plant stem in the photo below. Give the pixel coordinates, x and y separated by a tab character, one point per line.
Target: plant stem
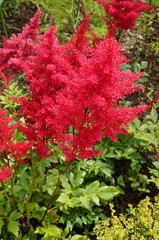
78	12
53	208
54	193
3	22
33	177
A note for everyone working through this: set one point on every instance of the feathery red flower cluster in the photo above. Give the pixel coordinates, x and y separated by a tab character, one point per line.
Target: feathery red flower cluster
9	146
124	13
73	86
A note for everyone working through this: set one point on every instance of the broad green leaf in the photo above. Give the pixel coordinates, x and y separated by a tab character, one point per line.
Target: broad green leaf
63	198
95	199
85	202
53	231
13	227
107	193
144	64
92	188
154	115
40	230
21	207
136	67
15	215
156	164
77	178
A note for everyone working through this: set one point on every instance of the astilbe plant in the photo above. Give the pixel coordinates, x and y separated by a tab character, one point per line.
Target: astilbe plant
123	13
73	89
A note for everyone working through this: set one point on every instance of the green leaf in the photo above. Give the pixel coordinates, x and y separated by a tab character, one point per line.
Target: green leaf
13	227
21	207
78	237
120	181
95	199
156	164
136	67
1	224
53	231
107	193
92	188
63	198
144	64
40	230
154	115
85	202
77	178
15	215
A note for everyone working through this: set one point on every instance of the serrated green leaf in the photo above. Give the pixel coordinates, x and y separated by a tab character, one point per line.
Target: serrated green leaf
85	202
63	198
53	231
13	227
15	215
77	178
107	192
92	188
40	230
95	199
21	207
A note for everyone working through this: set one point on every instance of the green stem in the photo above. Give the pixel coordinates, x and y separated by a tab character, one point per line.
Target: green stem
33	178
3	22
78	12
27	209
53	208
54	193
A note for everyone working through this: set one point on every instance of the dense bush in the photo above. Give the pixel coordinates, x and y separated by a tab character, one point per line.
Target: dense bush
141	222
64	124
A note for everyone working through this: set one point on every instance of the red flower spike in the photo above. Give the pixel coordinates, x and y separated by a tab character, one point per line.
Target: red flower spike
123	13
74	90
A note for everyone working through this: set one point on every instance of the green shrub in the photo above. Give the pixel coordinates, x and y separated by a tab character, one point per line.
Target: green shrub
141	223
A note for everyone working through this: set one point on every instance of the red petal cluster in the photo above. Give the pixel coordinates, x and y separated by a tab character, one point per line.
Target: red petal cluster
73	89
5	173
9	147
124	13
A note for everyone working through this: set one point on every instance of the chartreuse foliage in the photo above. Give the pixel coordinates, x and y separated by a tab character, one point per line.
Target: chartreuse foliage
7	99
153	2
67	15
141	222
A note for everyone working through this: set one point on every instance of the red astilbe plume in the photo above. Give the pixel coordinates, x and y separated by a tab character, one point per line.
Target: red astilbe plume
9	146
123	13
5	174
74	91
18	47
